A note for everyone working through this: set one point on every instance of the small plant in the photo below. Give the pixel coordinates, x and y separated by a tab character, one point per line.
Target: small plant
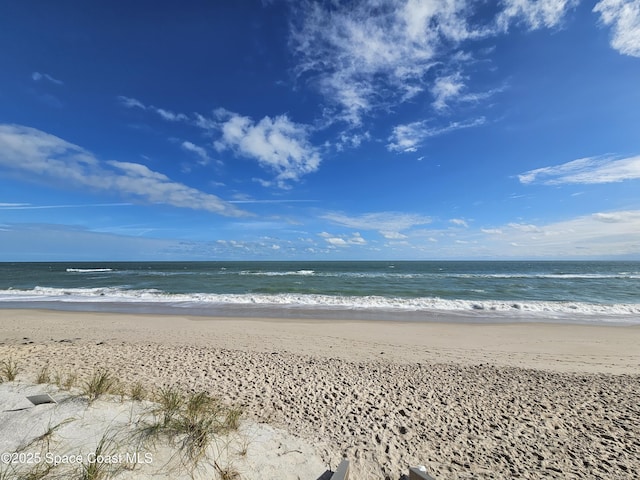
100	383
244	448
45	438
64	382
57	378
4	472
100	470
232	418
37	471
43	375
9	369
198	423
170	401
226	473
192	423
137	392
70	381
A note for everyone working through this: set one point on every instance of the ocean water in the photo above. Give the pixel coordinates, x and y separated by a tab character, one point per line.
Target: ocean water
584	292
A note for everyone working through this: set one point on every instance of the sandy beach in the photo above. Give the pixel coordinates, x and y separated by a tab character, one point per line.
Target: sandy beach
467	401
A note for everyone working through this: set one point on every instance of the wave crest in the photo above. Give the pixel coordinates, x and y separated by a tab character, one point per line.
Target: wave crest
373	302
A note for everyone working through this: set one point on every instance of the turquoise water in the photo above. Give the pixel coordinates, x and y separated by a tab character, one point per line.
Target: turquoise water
524	289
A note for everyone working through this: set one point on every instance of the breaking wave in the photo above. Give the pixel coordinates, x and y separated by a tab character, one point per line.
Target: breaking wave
317	301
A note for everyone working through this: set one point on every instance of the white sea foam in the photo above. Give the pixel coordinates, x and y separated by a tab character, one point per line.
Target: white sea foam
559	276
508	276
88	270
279	274
342	302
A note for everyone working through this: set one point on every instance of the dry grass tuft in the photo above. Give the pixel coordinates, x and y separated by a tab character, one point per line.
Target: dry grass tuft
137	392
8	370
43	375
100	383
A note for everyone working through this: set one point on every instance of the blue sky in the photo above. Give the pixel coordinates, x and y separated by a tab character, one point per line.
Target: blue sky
395	129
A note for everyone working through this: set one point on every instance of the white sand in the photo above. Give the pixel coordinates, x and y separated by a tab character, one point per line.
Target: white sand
467	401
256	451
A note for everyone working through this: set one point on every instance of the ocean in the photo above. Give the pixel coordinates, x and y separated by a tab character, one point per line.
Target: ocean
483	291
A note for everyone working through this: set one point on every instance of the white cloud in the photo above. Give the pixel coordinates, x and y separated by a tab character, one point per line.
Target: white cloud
459	222
170	116
387	221
407	138
369	54
278	144
600	234
452	88
27	206
199	151
131	102
624	17
588	170
534	13
351	140
524	227
167	115
336	241
356	239
390	235
446	88
597	235
389	224
35	152
615	217
37	77
343	240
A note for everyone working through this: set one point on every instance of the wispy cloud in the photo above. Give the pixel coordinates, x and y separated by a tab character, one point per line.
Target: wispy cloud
388	224
278	144
131	102
588	170
169	115
363	54
452	89
366	54
27	206
34	242
37	153
269	201
165	114
407	138
446	88
38	77
198	151
459	222
624	17
534	13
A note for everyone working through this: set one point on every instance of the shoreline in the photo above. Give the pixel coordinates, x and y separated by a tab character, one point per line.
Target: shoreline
323	313
491	401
